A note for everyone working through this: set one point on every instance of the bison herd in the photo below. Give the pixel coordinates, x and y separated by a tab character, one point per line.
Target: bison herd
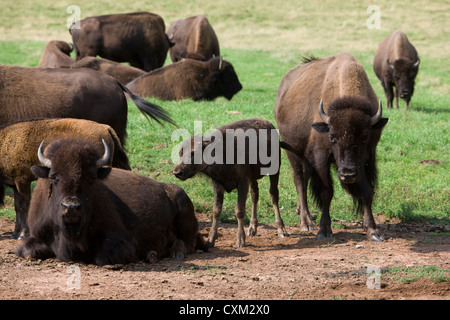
64	125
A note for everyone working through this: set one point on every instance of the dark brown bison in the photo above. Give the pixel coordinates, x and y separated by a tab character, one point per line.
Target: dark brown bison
83	211
189	79
56	55
18	145
396	64
193	38
27	93
247	139
138	38
327	113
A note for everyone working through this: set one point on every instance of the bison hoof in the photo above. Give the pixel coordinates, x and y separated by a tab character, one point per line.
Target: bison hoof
325	236
251	231
307	228
376	238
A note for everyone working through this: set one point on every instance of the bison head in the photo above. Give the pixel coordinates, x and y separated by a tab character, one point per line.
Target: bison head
404	72
224	78
191	158
72	166
353	133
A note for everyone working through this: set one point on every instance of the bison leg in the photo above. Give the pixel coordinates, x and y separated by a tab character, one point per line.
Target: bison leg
34	249
322	190
217	210
178	250
396	97
274	196
22	197
254	192
389	94
240	212
300	175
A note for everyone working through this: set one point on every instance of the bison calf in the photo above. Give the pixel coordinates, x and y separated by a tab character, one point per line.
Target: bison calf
83	211
19	143
234	158
189	79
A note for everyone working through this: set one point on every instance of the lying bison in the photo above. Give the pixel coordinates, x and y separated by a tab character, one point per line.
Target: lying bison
189	79
56	55
396	64
18	145
327	113
138	38
27	93
83	211
228	172
193	38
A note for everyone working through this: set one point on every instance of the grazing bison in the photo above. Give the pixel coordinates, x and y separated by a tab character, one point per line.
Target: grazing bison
56	55
189	79
83	211
18	145
327	113
231	173
138	38
396	64
193	38
27	93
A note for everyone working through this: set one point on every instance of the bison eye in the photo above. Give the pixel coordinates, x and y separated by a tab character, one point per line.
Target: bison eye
333	139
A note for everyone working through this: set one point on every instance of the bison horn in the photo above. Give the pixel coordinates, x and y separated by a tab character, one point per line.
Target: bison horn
104	160
374	120
415	65
220	63
390	65
43	159
322	114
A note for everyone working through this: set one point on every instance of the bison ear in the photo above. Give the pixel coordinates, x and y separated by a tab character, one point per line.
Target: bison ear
380	124
40	171
322	127
103	172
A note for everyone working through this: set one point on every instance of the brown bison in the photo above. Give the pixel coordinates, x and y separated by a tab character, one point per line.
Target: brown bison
56	55
229	172
396	64
82	211
138	38
189	79
193	38
27	93
18	145
327	113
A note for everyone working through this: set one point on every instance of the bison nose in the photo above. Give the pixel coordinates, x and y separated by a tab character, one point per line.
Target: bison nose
347	175
71	209
178	173
404	93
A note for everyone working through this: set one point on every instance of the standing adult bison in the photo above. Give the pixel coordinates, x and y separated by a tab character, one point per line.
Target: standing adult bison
27	93
189	79
83	211
396	64
327	112
19	142
138	38
193	38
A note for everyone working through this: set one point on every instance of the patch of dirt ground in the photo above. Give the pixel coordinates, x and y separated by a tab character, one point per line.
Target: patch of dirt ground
298	267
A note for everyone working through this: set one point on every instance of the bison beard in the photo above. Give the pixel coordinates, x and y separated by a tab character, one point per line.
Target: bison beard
82	211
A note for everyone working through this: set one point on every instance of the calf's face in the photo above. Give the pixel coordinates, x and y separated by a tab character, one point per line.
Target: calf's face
72	168
190	160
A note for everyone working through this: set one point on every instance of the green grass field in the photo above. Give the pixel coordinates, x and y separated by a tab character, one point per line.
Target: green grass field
264	40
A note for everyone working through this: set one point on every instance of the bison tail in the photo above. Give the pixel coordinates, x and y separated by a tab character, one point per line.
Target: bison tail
147	108
287	146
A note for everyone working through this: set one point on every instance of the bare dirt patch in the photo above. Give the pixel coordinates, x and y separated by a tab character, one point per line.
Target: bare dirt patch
298	267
